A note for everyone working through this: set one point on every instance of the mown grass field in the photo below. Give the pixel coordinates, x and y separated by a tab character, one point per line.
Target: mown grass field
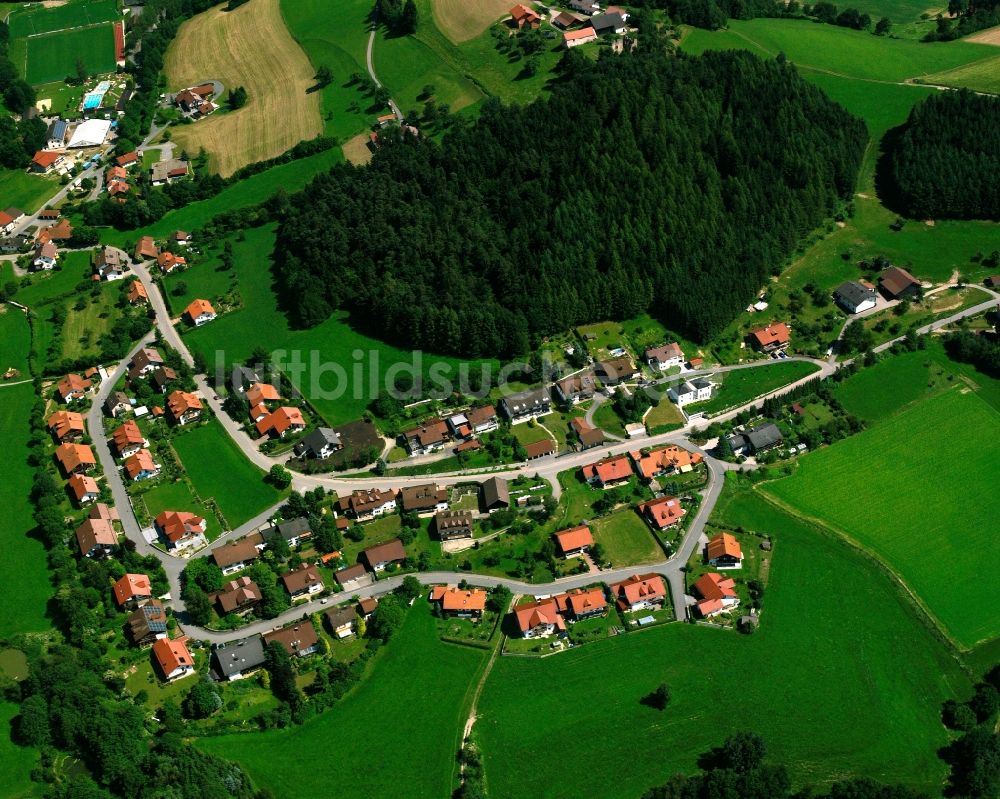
23	569
917	491
219	471
251	47
25	191
626	539
744	385
461	20
83	329
981	76
53	56
840	679
74	268
15	341
395	735
32	20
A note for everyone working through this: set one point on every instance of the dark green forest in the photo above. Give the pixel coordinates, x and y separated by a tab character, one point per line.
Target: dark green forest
946	161
673	185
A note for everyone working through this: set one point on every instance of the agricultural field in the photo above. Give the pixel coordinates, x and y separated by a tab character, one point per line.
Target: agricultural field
460	21
868	693
909	510
741	386
626	539
26	191
219	471
432	680
34	20
53	56
980	76
15	341
251	47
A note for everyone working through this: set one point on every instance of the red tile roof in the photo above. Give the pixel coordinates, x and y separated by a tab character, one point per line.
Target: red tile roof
638	588
281	420
72	456
81	485
774	333
586	601
132	586
262	392
724	544
609	470
141	462
197	308
715	586
663	512
535	614
649	464
179	524
574	538
172	655
64	423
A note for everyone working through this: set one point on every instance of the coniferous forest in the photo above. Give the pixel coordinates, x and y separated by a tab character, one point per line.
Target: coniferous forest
946	162
643	183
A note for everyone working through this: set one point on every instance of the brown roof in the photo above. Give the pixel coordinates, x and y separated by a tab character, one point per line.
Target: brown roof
104	512
81	485
237	594
724	544
294	639
299	579
484	413
895	280
95	532
362	501
664	353
64	423
384	553
539	448
574	538
146	248
616	368
429	433
350	573
237	551
422	497
367	605
72	456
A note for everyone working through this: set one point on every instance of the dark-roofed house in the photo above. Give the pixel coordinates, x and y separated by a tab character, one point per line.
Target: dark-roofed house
608	23
855	296
320	443
303	582
451	524
378	558
664	357
238	596
353	577
426	498
576	388
236	659
235	556
116	404
494	495
617	370
143	362
361	505
898	284
161	377
341	621
294	531
428	437
764	437
526	405
147	624
298	640
587	7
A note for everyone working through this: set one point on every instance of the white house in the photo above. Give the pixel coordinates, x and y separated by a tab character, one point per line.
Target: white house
691	391
855	296
663	358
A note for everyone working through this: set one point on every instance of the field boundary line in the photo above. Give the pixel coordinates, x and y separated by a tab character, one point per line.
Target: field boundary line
924	613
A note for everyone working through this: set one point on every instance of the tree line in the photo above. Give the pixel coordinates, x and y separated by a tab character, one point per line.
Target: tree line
19	140
643	183
964	17
946	160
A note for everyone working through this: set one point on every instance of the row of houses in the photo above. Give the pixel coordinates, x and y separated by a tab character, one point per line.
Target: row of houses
647	464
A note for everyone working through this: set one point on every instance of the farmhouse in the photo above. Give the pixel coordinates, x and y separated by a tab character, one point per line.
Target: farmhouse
303	582
45	161
75	458
353	577
718	594
320	443
180	528
146	248
298	640
898	284
341	621
184	407
608	472
128	439
235	556
617	370
578	37
666	460
459	603
539	449
640	592
235	660
132	590
662	358
523	17
855	296
576	388
140	466
285	419
494	495
663	512
689	391
362	505
83	488
526	405
566	20
772	338
200	312
539	619
423	498
96	538
66	426
378	558
574	541
168	171
452	524
723	551
172	658
429	437
588	435
610	22
72	387
147	624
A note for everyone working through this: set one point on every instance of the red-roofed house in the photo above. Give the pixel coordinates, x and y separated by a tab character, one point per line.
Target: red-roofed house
539	619
173	658
640	592
461	603
179	528
522	17
132	590
46	160
718	594
259	393
96	537
66	426
608	472
578	37
168	262
574	541
771	338
723	551
72	387
128	159
663	512
137	294
84	488
585	603
128	439
200	312
75	458
285	419
184	407
664	461
141	466
146	248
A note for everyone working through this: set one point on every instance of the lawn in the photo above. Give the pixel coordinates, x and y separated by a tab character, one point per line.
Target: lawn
36	19
15	341
916	512
177	496
23	570
664	416
219	471
84	328
53	56
63	98
417	693
74	269
16	762
834	687
607	419
626	539
26	191
741	386
529	433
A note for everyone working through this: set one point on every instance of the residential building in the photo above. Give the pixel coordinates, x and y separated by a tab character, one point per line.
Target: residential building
453	524
132	590
467	603
576	388
429	437
45	161
103	512
341	621
238	597
494	495
143	362
160	378
141	466
75	458
298	640
66	426
127	159
180	237
200	312
697	390
55	136
96	537
366	607
523	17
526	405
168	171
84	489
258	393
763	437
665	357
109	265
236	555
168	262
856	296
539	619
179	528
320	443
585	603
354	577
117	404
238	659
640	592
588	435
369	504
482	419
663	512
294	531
665	460
566	20
146	248
173	658
128	439
62	230
718	594
898	284
723	551
184	407
46	255
772	338
616	370
574	541
380	557
610	22
147	623
284	420
303	582
587	7
539	449
608	472
72	387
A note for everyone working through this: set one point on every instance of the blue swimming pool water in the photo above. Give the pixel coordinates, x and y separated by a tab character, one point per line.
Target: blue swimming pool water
92	101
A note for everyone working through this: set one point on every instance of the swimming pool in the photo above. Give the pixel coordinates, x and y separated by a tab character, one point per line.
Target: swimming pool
94	98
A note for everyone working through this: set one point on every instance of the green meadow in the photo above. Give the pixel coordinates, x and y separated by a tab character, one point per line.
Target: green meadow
54	55
396	734
26	191
16	762
15	341
29	21
744	385
981	76
839	654
916	489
